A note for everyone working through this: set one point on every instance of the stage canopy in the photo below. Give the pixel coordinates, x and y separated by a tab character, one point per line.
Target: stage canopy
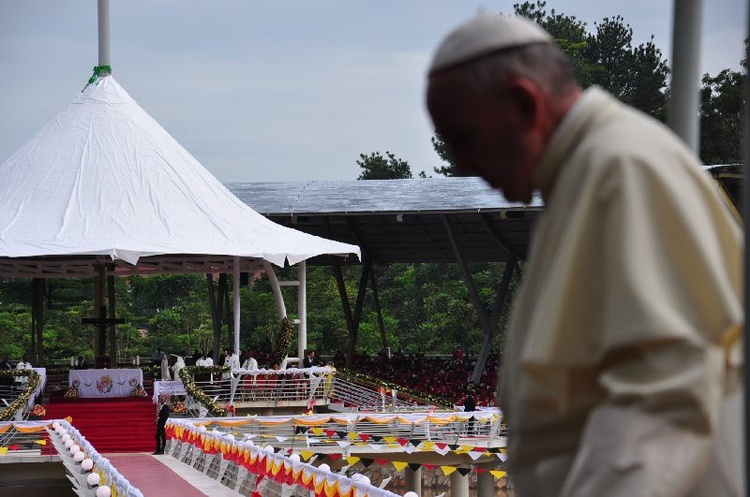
104	182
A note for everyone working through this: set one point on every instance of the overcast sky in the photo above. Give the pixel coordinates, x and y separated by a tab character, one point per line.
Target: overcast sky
279	90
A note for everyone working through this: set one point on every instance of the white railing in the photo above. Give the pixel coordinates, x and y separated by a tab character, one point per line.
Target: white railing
292	387
87	469
249	469
369	432
355	397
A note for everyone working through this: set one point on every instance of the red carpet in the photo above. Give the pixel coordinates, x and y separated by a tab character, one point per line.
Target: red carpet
126	424
153	478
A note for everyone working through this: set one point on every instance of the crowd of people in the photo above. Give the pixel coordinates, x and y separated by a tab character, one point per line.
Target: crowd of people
435	375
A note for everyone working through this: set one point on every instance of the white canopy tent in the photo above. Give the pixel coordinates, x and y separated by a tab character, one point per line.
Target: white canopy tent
103	188
104	178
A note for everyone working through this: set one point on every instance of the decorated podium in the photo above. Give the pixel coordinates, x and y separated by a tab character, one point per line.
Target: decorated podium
104	382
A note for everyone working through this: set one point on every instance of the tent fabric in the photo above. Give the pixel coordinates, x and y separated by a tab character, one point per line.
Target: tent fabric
104	178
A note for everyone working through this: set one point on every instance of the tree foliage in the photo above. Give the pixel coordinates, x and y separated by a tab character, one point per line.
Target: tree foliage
375	166
721	118
637	75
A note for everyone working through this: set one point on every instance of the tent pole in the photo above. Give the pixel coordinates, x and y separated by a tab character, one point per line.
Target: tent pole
103	17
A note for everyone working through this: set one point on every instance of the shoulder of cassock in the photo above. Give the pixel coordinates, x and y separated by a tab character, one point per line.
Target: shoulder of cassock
636	246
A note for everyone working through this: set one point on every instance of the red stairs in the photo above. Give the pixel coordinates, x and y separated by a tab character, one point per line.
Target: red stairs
116	425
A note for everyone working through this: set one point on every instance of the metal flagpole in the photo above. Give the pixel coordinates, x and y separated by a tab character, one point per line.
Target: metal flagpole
686	73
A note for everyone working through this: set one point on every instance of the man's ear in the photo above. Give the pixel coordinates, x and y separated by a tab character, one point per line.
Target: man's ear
529	101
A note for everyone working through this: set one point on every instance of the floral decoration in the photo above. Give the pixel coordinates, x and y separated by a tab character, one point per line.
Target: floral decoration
284	339
231	410
179	408
72	392
372	382
22	400
186	375
139	391
38	411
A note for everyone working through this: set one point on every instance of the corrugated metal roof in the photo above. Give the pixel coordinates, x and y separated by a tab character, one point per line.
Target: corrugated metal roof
469	194
401	220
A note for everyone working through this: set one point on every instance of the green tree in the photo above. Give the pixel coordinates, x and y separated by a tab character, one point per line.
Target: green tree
721	118
375	166
637	75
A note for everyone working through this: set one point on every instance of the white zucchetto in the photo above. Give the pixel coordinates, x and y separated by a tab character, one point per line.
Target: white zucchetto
484	34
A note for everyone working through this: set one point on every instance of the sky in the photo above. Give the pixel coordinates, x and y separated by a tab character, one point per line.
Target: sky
280	90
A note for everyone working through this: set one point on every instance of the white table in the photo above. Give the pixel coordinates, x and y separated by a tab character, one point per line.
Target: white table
105	382
174	387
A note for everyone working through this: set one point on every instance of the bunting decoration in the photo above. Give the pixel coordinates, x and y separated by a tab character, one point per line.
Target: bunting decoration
272	464
266	464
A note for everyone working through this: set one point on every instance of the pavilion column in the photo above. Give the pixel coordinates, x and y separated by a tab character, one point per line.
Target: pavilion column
112	326
236	296
38	322
485	483
413	480
302	310
99	331
459	485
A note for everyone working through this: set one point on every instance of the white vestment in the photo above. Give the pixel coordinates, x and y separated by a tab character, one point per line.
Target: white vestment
250	363
178	365
622	357
165	369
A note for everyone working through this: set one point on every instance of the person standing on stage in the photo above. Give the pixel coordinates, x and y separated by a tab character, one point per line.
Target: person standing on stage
623	352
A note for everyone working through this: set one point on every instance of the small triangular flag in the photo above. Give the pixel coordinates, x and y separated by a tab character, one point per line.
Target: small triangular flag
399	465
3	451
414	466
352	460
448	470
366	462
364	436
498	473
474	455
464	471
306	454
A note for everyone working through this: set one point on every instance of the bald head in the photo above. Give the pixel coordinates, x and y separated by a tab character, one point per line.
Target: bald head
483	35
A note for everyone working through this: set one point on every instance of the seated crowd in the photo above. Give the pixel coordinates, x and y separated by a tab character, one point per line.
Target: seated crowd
446	377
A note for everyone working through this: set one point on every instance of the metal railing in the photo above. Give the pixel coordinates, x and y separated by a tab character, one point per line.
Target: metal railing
250	470
352	396
368	432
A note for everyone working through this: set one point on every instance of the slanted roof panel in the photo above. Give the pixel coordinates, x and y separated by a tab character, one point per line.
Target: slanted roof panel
401	220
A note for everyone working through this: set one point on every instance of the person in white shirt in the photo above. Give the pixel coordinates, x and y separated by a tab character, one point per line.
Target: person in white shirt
24	364
251	362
